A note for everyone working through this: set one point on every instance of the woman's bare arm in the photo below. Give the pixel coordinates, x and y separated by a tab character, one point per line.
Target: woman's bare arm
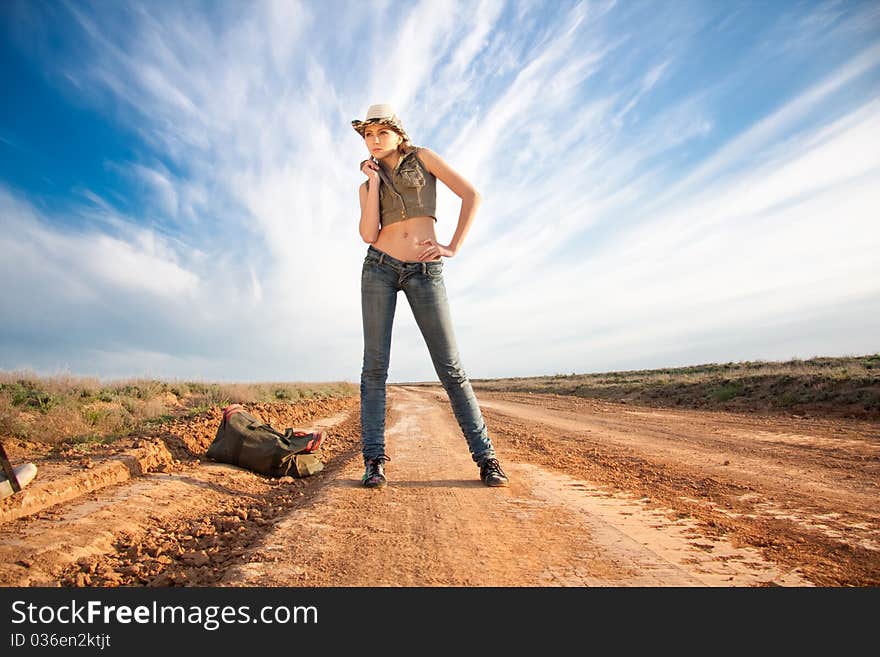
470	201
369	197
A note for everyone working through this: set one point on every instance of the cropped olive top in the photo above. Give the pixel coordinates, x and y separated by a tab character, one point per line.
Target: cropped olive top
410	190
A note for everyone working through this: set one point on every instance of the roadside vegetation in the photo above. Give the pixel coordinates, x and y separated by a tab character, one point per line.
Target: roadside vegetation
77	410
842	387
74	410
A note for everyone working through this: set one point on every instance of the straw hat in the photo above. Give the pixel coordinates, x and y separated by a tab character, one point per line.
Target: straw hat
381	114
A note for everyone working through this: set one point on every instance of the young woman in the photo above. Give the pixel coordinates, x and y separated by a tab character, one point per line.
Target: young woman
398	202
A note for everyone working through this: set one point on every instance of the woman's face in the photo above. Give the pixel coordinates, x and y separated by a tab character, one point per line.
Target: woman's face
381	140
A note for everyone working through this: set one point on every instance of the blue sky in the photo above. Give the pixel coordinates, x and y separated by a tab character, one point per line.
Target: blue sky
664	183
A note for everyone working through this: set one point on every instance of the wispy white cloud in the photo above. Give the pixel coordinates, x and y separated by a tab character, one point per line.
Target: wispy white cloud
143	264
160	188
775	126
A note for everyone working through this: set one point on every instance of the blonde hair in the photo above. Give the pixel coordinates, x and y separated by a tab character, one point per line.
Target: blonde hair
405	145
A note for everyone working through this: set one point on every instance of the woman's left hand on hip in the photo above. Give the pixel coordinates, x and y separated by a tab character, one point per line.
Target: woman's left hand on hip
434	250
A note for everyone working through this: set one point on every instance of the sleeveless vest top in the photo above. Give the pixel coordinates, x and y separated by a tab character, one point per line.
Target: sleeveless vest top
409	191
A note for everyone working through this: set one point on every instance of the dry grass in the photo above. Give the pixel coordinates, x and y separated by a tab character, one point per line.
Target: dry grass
846	386
69	409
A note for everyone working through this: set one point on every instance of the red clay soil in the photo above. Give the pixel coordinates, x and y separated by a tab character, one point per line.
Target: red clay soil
601	494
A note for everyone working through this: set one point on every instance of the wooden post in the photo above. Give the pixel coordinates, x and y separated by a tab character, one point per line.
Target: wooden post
8	470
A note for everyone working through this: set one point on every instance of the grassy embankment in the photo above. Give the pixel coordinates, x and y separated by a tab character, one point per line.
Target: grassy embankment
840	387
72	410
67	409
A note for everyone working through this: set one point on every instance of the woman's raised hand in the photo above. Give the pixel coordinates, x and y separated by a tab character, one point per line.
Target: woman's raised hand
370	169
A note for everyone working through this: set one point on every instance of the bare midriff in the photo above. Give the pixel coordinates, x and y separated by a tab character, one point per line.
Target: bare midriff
402	240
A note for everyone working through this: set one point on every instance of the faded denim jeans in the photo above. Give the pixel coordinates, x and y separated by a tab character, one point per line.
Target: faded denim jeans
422	282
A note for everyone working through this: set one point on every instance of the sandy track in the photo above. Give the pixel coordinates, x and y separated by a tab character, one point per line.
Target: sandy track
436	525
600	495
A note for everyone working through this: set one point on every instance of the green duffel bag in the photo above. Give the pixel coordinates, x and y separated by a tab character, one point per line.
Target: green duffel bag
248	442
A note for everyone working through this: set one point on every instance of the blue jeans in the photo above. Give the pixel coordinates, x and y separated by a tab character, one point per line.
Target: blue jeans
422	282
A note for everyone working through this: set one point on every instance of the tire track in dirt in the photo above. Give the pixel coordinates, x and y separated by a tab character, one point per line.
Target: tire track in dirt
435	524
805	492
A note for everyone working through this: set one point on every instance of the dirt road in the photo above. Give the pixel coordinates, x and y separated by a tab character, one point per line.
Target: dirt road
600	495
